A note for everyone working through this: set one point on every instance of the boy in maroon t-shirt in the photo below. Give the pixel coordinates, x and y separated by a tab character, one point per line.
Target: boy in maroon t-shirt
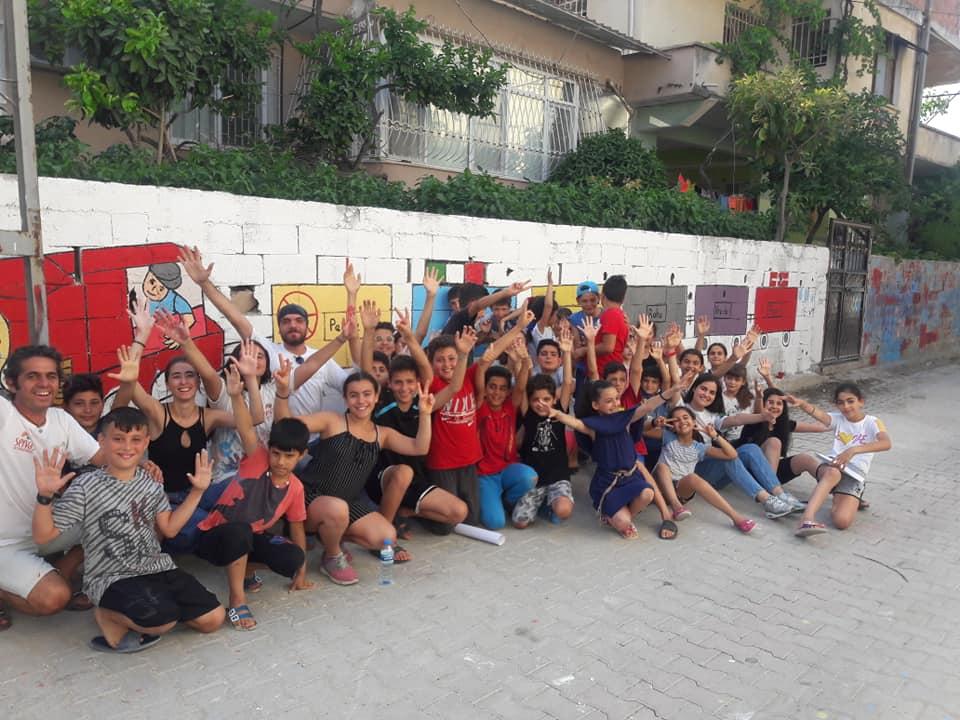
614	328
455	445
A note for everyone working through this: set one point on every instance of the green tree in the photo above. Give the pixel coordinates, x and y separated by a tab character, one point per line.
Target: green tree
857	169
348	70
786	121
935	215
143	60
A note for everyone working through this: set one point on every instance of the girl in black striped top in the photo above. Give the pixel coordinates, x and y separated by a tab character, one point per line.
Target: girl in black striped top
334	482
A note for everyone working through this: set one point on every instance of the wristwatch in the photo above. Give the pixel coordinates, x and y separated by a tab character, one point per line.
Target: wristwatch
43	499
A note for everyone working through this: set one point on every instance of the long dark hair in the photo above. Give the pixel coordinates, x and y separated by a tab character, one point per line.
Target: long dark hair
781	428
717	405
744	396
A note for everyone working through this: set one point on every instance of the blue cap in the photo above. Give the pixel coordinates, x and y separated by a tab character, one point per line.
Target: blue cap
587	286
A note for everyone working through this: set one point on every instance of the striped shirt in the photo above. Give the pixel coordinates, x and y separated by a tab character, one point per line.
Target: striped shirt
117	520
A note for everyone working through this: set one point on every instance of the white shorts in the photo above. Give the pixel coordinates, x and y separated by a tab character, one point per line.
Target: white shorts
21	567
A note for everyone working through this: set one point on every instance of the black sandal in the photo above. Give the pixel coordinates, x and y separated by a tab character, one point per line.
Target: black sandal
396	549
668	526
5	621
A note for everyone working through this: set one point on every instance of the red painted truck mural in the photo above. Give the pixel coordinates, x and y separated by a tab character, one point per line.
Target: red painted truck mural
88	293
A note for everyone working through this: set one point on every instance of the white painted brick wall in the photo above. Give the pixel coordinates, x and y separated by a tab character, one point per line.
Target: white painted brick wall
263	242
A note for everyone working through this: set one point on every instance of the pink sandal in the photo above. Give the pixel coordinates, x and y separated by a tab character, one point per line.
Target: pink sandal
745	526
681	513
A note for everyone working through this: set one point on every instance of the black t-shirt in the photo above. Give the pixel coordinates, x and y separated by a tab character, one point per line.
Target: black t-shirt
759	433
545	448
406	423
457	322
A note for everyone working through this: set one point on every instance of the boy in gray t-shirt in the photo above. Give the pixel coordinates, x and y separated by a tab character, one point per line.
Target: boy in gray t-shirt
119	509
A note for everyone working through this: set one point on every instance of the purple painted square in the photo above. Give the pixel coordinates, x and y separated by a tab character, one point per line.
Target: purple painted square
725	306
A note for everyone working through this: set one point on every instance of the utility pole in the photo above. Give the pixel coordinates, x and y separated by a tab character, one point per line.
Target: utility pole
28	241
919	81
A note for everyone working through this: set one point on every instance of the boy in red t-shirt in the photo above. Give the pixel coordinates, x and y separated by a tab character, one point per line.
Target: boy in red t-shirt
264	492
455	445
614	328
503	478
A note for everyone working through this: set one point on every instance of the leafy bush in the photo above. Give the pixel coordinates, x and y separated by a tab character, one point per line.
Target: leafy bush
614	157
267	172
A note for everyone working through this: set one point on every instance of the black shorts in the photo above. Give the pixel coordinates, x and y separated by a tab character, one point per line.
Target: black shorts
229	542
419	488
359	507
784	473
154	600
461	482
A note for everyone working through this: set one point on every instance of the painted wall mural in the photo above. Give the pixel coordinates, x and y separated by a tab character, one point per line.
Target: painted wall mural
912	307
88	293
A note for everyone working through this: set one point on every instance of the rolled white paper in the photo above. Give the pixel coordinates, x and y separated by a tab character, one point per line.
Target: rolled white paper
488	536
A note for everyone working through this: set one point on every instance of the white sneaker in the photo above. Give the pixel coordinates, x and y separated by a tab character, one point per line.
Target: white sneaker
776	507
796	503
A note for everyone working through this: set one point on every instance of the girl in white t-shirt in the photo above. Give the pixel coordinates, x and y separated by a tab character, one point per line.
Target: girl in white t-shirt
856	437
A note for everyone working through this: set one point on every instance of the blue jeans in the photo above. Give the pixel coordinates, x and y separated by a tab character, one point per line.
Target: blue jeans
186	540
750	472
510	484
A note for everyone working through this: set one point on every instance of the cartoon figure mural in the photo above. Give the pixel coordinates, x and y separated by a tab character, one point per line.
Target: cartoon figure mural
88	293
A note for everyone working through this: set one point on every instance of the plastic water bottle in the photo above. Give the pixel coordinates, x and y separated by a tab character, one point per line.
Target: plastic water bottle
386	563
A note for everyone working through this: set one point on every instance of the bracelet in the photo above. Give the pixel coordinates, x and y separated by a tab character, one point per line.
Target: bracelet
278	396
669	353
140	343
43	499
660	393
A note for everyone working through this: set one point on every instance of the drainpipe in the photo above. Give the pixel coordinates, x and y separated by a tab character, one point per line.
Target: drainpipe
919	81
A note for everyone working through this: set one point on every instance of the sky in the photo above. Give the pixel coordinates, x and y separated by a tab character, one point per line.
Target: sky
950	122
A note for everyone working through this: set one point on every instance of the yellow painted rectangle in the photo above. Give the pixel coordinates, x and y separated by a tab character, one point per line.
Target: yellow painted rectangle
565	295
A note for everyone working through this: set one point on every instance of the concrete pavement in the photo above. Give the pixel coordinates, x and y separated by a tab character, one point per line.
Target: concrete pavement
572	622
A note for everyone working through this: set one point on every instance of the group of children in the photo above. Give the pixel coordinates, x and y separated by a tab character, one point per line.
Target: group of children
485	424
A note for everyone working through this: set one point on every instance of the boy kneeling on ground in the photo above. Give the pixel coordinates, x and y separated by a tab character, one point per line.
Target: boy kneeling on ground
139	592
264	492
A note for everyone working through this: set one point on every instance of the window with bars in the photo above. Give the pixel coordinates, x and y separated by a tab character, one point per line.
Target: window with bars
239	129
810	40
578	7
539	117
885	69
735	20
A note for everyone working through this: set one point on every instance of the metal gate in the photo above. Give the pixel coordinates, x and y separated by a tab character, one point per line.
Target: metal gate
850	245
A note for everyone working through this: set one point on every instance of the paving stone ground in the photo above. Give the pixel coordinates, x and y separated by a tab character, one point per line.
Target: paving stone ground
572	622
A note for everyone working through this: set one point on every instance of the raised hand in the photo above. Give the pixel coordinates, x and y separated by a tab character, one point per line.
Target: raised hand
47	469
765	367
644	327
518	287
565	340
590	328
431	280
140	315
709	429
703	325
247	362
792	400
742	348
192	262
174	331
351	281
281	376
202	471
427	401
129	361
403	324
687	380
485	324
349	327
465	340
234	382
656	349
673	337
369	315
549	277
753	335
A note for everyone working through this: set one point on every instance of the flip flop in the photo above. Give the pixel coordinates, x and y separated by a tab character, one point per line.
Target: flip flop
681	513
130	643
253	584
396	549
745	526
402	527
669	526
239	613
809	527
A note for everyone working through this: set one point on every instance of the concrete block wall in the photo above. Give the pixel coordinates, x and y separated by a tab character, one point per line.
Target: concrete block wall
262	242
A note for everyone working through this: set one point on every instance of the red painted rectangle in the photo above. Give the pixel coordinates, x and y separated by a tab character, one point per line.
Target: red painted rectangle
775	309
475	272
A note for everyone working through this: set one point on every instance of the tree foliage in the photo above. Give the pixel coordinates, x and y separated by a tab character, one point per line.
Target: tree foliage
349	70
787	122
144	60
613	157
935	216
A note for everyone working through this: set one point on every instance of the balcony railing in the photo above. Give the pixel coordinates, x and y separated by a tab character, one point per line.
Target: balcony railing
577	7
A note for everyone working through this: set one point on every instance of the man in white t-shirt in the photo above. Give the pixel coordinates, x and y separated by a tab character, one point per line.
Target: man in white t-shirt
317	382
29	426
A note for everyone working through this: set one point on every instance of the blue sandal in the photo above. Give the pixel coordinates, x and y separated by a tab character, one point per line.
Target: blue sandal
239	613
253	584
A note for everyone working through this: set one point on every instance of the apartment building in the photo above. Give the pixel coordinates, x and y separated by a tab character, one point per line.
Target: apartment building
577	67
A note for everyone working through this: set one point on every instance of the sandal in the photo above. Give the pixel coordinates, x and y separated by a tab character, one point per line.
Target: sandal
5	621
79	602
402	527
681	513
864	505
810	527
253	584
668	526
130	643
745	526
628	532
238	614
396	549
